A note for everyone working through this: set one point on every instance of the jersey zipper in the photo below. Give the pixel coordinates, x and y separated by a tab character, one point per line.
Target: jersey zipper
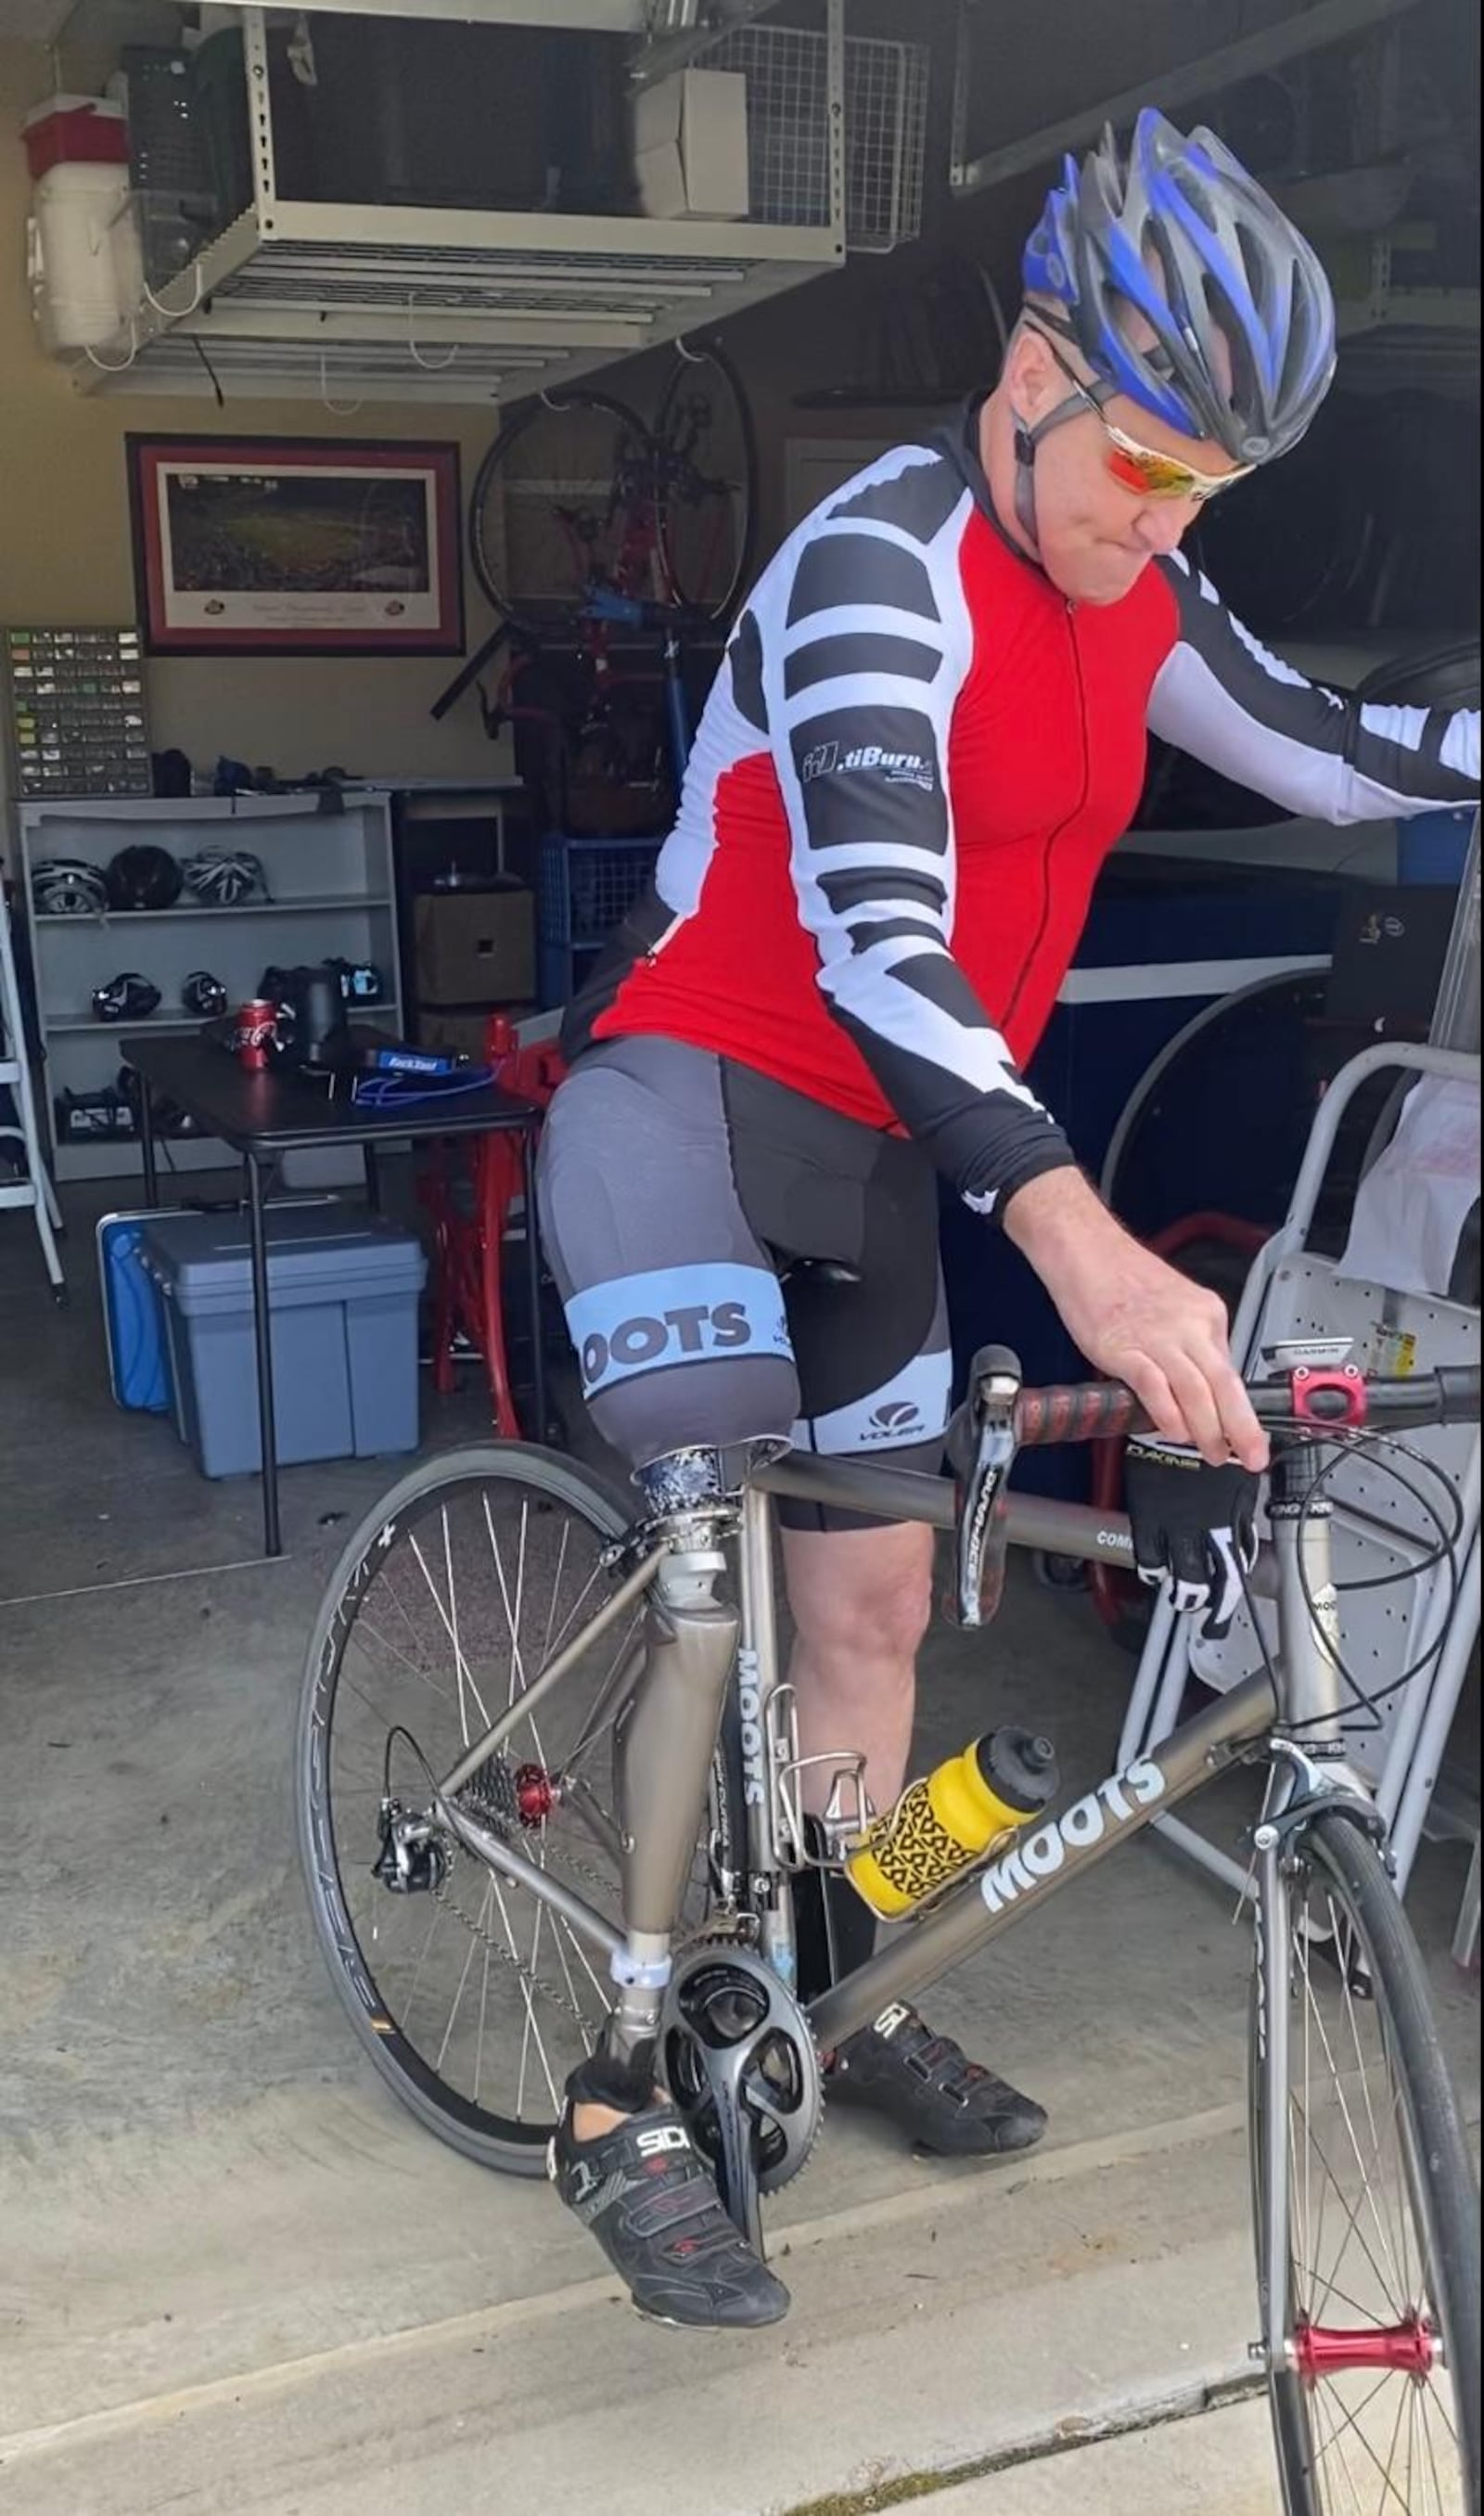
1049	844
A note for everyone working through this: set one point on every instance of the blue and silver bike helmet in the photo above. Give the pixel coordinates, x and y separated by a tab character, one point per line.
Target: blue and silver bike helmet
1178	233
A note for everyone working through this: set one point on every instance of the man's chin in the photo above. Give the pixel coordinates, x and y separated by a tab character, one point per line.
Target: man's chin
1100	579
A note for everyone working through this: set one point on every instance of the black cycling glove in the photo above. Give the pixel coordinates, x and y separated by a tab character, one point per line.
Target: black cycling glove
1195	1529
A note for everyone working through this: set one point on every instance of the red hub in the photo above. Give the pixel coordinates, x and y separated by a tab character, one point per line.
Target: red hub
534	1796
1407	2349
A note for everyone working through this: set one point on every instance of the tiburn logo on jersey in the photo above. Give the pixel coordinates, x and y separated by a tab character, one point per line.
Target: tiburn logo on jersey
898	768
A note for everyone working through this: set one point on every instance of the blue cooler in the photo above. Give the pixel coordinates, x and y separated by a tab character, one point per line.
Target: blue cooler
134	1317
342	1298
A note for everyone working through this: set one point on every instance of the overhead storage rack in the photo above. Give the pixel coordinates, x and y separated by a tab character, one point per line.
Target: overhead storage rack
344	303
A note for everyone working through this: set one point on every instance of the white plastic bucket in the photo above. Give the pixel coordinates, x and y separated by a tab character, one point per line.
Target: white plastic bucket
83	257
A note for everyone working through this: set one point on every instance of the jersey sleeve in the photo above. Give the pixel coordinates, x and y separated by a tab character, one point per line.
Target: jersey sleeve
866	649
1223	696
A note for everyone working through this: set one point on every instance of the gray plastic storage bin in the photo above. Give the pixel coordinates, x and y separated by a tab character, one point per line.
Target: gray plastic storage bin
343	1296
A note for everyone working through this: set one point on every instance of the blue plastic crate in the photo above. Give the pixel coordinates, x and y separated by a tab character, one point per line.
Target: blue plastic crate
585	886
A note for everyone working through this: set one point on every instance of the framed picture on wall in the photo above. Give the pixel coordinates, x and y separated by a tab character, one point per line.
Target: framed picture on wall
296	545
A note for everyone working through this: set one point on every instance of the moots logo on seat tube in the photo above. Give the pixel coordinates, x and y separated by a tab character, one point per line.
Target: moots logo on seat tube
1100	1817
750	1705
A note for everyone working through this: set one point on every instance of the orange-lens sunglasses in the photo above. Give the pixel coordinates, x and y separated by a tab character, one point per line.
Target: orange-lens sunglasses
1142	468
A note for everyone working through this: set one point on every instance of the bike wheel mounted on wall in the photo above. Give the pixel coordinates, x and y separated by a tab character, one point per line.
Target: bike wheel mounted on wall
706	482
557	508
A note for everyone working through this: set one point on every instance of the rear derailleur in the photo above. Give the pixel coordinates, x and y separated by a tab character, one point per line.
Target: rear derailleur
414	1855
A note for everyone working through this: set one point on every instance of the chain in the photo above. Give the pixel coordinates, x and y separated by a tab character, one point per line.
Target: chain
506	1956
501	1948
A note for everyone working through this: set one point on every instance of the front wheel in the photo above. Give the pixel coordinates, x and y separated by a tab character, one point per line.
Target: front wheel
473	1997
1376	2409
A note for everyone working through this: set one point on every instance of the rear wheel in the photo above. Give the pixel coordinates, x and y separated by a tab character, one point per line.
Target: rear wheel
1378	2411
473	1997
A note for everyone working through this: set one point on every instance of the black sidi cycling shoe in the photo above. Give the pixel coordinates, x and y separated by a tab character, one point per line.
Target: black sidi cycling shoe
927	2084
652	2204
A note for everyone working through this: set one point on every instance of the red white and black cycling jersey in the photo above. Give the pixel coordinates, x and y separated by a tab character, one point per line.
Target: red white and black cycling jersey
913	763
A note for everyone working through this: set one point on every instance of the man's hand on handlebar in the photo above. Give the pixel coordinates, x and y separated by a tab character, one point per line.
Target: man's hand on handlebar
1137	1318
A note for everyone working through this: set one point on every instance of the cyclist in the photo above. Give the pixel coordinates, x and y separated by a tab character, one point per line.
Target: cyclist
928	732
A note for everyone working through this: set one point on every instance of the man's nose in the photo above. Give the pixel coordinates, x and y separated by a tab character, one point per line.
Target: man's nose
1165	521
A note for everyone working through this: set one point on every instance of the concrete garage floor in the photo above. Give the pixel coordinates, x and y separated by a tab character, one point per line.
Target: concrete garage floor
236	2277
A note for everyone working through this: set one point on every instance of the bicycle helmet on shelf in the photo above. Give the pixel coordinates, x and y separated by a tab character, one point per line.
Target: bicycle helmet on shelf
1178	233
143	877
224	877
68	887
128	997
203	994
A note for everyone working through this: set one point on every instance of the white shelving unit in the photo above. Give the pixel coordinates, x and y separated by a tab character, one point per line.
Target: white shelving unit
331	880
343	302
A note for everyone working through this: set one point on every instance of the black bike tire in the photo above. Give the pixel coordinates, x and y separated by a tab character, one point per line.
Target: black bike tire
449	2115
720	611
521	421
1354	1873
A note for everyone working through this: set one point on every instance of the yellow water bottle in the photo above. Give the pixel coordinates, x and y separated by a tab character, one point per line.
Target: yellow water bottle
950	1818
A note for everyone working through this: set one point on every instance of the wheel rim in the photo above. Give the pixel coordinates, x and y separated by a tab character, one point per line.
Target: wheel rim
1369	2408
553	506
481	1997
704	485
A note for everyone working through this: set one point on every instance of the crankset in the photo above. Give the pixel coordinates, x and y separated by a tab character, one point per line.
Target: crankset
738	2057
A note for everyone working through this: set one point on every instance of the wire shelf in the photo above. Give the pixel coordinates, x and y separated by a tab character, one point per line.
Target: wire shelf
886	131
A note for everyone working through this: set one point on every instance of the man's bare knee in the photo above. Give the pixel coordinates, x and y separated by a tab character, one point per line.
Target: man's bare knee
862	1596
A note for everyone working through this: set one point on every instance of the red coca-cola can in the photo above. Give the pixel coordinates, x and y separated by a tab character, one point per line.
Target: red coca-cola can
256	1031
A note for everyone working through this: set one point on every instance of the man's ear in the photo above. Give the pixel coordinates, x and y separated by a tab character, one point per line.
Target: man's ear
1032	376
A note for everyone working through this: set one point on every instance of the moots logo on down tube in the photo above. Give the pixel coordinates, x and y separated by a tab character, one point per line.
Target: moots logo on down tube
1107	1811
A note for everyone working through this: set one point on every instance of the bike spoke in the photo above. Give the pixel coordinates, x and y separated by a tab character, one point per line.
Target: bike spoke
469	1958
447	1627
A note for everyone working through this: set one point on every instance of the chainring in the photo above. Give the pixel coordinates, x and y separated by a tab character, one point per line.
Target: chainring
739	2058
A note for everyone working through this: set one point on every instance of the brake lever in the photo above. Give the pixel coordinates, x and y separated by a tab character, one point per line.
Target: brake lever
981	1444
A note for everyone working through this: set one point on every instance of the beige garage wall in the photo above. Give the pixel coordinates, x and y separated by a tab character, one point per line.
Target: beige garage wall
64	547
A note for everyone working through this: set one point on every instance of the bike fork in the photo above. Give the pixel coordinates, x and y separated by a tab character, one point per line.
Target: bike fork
1275	2017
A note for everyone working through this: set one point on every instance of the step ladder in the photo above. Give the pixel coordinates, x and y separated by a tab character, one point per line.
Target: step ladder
35	1188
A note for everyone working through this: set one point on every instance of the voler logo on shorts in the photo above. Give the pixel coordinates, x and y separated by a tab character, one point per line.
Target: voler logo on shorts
895	1416
898	768
675	1314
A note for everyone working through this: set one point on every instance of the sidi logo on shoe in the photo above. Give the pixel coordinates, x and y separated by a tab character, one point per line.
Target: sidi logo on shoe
891	2018
661	2138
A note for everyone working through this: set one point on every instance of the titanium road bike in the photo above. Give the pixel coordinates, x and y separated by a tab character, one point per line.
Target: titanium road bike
546	1761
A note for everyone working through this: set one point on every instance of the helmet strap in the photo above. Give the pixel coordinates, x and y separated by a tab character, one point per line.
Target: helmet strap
1027	438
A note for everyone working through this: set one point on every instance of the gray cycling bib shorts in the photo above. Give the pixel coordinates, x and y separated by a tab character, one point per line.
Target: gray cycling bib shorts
677	1192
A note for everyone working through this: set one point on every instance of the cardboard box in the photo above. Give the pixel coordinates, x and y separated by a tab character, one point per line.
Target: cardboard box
462	1034
475	948
690	146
